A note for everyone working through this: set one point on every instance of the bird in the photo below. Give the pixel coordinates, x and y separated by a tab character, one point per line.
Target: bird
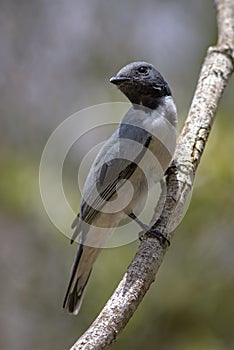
130	162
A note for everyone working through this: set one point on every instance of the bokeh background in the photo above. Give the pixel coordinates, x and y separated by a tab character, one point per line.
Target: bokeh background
56	58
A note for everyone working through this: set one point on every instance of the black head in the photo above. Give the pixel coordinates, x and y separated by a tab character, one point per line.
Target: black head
142	84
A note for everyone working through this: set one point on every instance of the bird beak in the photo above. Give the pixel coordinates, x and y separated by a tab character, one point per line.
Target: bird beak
118	80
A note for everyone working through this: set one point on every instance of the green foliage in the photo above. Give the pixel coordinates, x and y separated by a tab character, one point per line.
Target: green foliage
19	183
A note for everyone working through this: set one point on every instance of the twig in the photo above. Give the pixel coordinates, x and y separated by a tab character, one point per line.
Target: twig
215	73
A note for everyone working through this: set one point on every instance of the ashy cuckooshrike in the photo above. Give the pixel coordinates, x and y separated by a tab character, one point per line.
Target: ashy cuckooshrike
134	158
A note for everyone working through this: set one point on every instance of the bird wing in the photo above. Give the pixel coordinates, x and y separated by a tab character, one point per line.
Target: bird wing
116	161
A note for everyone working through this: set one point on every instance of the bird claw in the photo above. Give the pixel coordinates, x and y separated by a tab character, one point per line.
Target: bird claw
141	235
162	239
157	234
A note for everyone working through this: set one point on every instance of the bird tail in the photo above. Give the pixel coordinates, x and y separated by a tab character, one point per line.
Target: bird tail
81	271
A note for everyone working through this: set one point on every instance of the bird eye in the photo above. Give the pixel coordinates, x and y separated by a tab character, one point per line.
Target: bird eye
143	70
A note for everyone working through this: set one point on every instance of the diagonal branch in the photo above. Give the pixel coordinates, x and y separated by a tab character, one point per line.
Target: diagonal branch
215	73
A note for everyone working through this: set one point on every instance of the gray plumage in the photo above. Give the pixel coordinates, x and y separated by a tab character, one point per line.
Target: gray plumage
140	150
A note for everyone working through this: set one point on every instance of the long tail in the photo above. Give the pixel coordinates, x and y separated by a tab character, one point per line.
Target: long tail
81	271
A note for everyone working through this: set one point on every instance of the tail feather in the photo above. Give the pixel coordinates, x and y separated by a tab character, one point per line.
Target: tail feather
75	298
71	286
81	271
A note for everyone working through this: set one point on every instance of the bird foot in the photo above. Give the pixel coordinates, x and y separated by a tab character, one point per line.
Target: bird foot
157	234
162	239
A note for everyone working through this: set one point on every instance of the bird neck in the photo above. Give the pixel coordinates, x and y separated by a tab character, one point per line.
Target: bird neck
151	99
146	102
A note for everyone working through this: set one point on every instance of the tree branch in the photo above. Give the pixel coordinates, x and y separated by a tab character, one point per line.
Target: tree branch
215	73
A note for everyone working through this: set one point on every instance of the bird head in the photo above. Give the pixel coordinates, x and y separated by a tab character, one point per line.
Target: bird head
141	83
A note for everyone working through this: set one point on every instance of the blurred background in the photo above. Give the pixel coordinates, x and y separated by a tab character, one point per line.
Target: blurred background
56	58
